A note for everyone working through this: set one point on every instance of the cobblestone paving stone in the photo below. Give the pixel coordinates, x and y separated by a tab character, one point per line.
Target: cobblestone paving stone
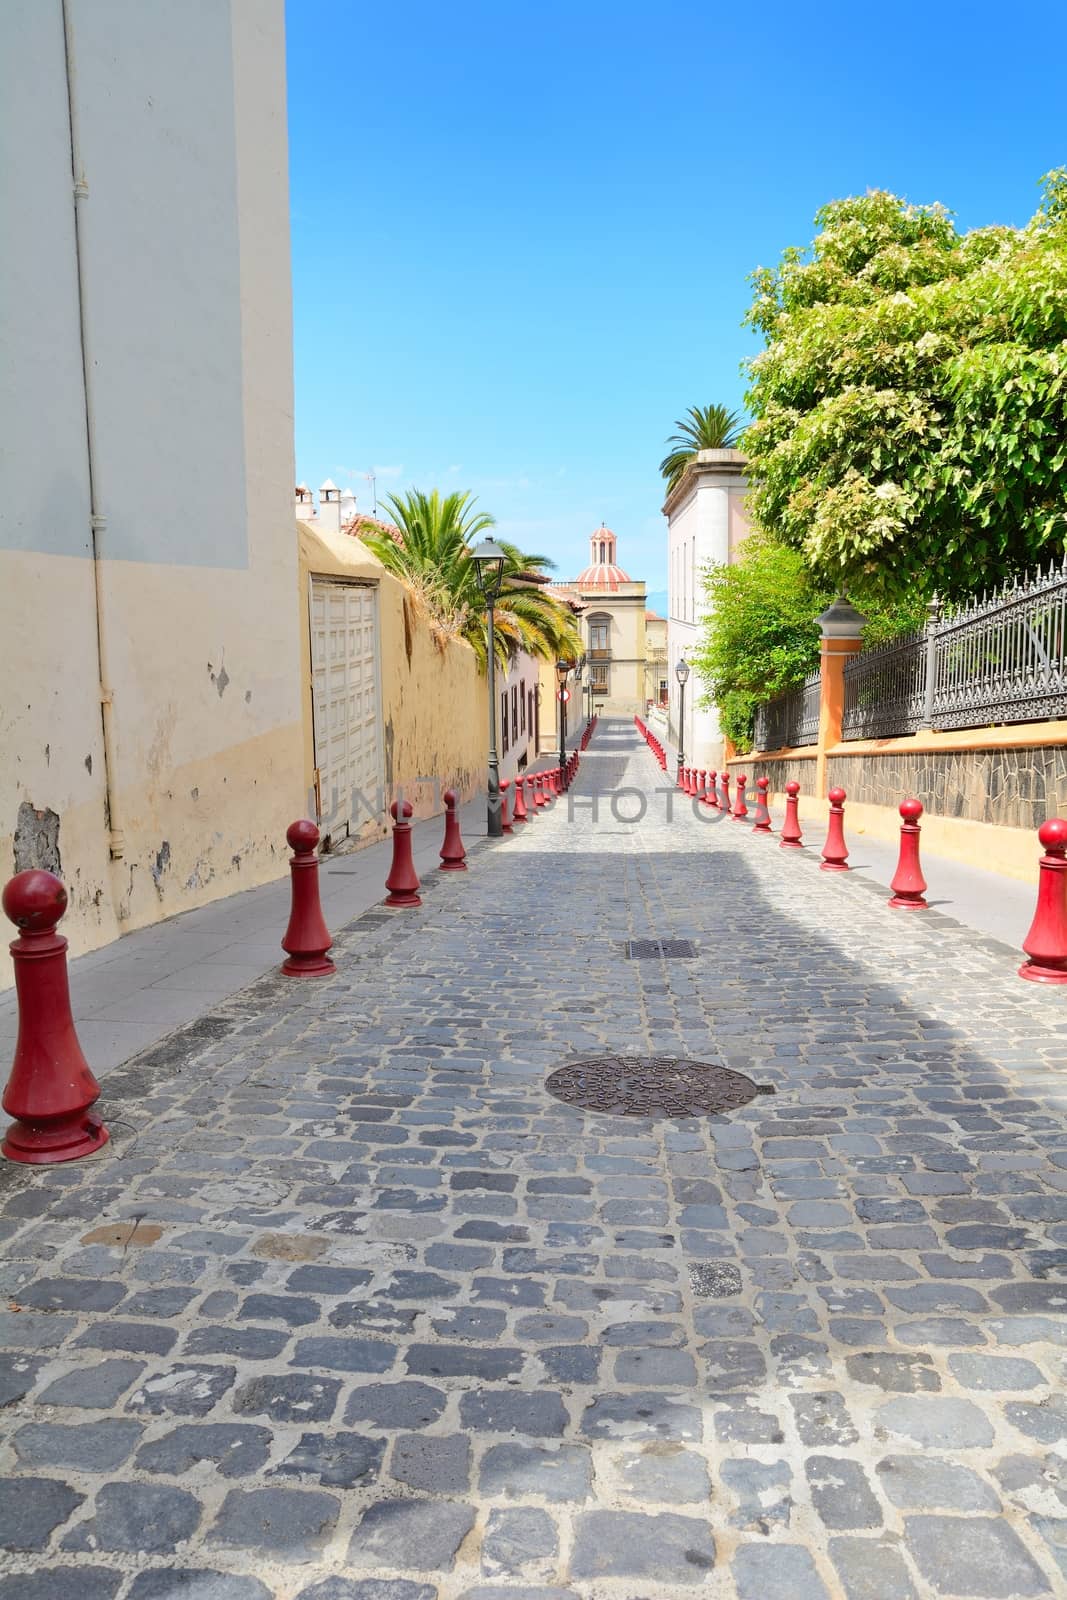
351	1309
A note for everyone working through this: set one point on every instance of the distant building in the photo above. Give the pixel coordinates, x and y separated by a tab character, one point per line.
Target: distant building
657	682
706	524
612	624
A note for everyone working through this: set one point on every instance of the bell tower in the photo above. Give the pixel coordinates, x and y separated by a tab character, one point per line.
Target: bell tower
602	547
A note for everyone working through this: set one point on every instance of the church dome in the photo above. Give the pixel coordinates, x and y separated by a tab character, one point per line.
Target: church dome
602	572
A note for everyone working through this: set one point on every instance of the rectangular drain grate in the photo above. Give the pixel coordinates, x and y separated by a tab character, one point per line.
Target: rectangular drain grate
667	949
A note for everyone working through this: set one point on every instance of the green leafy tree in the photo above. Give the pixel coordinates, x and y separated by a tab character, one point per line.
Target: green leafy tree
429	548
760	637
910	406
702	428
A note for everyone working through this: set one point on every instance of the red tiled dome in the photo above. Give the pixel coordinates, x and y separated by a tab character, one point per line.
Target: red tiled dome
602	576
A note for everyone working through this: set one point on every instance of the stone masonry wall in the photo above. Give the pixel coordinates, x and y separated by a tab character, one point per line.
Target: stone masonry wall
780	772
1014	788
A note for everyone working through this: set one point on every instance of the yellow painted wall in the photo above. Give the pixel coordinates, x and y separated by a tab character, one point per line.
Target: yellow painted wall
434	701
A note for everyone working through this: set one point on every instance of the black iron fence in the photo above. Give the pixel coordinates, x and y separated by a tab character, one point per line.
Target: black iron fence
791	719
885	690
1002	658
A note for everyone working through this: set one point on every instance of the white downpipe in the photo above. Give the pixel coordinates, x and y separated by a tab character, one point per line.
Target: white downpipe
97	519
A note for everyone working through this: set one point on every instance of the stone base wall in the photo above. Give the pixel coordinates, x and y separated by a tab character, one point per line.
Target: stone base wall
1015	788
779	769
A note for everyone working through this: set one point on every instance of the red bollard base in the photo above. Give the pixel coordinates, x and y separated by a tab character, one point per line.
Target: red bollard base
313	966
400	899
42	1144
1036	972
900	903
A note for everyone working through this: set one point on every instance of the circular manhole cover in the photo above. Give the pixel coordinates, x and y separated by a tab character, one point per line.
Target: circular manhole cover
652	1086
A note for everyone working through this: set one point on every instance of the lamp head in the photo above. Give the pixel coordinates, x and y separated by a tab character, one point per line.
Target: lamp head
489	561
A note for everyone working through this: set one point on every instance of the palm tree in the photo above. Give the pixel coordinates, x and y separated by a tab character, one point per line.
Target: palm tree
703	428
430	547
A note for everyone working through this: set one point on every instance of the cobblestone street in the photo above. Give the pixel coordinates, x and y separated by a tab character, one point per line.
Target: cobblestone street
352	1309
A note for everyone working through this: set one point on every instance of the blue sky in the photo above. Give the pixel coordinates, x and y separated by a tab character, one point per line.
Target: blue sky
522	234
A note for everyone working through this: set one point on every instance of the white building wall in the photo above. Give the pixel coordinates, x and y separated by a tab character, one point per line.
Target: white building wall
178	113
705	524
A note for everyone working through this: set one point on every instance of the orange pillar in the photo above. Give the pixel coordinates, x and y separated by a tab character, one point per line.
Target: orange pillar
841	627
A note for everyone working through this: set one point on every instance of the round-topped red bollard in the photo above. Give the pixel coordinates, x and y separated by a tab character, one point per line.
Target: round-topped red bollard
403	880
518	809
835	851
762	823
51	1088
1046	943
453	855
307	937
740	811
908	883
791	836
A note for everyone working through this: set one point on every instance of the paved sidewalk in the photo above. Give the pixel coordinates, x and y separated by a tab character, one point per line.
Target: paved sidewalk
135	991
352	1309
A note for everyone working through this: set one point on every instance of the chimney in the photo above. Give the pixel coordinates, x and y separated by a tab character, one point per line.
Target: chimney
305	505
329	507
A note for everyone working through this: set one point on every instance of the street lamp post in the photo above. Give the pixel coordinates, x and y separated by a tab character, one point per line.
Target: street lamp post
562	669
681	672
489	561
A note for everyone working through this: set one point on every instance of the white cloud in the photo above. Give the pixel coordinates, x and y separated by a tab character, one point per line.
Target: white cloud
388	472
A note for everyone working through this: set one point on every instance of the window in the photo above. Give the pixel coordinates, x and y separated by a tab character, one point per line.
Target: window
534	719
599	677
600	636
522	704
504	723
515	713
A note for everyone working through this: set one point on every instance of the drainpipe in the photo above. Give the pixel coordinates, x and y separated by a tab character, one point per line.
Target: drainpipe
97	520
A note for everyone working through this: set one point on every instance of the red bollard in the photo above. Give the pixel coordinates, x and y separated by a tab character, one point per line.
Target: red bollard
762	823
711	797
453	855
1046	943
908	881
835	851
518	810
724	793
702	783
792	838
740	809
402	882
51	1087
539	795
505	820
307	937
